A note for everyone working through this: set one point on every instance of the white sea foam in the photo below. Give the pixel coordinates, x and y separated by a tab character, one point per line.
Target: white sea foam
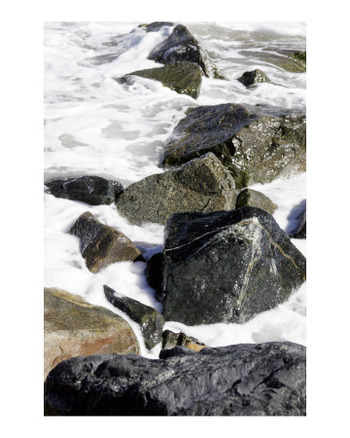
98	126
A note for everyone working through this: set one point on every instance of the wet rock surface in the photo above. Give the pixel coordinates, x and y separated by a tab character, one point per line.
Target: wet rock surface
253	77
200	185
181	45
73	327
102	245
151	322
245	379
171	340
255	143
93	190
227	266
183	77
253	198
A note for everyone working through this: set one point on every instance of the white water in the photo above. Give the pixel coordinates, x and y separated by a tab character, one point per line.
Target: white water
96	126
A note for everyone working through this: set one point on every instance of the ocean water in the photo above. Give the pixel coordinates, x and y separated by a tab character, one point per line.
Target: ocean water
95	125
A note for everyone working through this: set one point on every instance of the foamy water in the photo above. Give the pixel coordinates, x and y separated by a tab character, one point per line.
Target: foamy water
97	126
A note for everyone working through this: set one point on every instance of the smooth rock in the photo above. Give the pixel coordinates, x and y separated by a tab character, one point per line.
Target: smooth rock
227	266
253	77
300	231
200	185
93	190
253	198
73	327
102	245
181	45
151	322
255	143
239	380
183	77
154	274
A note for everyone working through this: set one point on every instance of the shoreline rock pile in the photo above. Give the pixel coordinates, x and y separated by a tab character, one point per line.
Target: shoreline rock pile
225	259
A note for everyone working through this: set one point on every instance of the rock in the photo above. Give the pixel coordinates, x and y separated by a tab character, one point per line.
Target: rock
73	327
93	190
238	380
183	77
154	274
151	322
227	266
100	244
255	143
289	60
300	231
182	46
155	26
171	340
252	198
200	185
296	62
253	77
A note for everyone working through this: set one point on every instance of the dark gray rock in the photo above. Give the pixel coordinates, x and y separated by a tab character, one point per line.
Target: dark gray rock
93	190
151	322
171	340
183	77
154	274
239	380
181	45
200	185
255	143
299	232
252	198
227	266
253	77
101	245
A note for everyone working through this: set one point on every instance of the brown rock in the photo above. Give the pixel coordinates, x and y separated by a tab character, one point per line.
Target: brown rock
102	245
73	327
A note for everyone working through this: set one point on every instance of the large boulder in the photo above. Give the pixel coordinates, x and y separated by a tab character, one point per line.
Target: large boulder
181	45
241	380
227	266
151	322
255	143
100	244
93	190
183	77
200	185
253	77
253	198
154	274
73	327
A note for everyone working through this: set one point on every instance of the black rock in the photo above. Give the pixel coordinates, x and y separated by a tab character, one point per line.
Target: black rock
93	190
154	274
181	45
151	322
227	266
255	143
239	380
253	77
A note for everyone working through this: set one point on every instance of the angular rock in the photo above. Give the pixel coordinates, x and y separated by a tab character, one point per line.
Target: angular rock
227	266
200	185
93	190
154	274
181	45
183	77
253	77
253	198
246	379
151	322
171	339
101	245
300	231
255	143
73	327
